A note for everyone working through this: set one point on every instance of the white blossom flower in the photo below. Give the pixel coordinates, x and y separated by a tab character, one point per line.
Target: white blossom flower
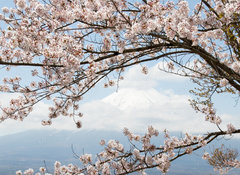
230	128
206	156
223	82
5	10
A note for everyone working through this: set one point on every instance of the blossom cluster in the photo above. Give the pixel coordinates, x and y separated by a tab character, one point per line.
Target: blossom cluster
142	155
70	46
57	40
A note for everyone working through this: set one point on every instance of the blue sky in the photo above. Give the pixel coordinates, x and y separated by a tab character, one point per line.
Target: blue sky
157	99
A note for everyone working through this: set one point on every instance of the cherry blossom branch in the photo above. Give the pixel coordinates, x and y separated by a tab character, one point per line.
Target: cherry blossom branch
123	162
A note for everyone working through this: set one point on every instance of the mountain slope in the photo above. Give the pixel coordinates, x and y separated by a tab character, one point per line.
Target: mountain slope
32	148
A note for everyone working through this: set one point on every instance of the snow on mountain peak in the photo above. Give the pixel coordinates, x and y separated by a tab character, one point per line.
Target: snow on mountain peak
129	98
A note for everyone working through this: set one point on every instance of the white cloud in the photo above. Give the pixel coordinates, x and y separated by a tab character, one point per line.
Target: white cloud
136	79
136	105
136	109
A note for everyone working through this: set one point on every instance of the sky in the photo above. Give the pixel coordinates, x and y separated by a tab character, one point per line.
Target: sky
157	99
